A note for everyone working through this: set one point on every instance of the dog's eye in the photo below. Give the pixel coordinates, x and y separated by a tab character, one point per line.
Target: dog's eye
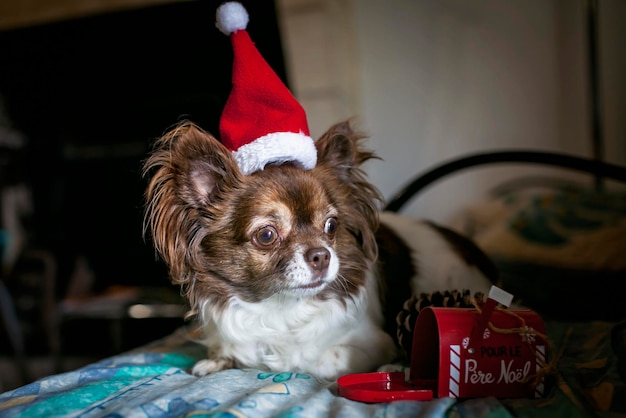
266	236
331	226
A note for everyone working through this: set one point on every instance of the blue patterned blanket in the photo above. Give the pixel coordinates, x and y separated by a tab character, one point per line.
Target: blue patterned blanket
154	381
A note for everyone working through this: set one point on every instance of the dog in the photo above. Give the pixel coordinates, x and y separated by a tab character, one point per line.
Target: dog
292	269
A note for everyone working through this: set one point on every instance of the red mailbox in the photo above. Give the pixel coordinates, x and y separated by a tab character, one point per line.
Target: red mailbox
465	353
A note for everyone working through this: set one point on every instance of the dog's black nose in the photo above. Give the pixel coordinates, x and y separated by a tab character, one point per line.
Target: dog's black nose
318	258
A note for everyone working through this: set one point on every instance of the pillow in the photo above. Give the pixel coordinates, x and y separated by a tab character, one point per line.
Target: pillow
578	229
561	252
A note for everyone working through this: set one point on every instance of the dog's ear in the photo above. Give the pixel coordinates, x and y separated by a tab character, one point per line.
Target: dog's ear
340	149
190	173
191	164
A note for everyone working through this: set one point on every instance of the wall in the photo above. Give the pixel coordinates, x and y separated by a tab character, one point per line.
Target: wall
613	73
437	79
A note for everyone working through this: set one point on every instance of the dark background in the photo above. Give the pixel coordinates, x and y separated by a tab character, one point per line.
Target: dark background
91	95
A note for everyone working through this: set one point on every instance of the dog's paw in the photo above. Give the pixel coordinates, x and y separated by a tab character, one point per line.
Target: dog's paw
390	368
208	366
335	362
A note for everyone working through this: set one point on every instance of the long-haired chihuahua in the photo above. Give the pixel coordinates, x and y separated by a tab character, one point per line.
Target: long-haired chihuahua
292	269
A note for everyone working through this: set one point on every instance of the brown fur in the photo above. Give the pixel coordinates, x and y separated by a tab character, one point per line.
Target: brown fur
199	203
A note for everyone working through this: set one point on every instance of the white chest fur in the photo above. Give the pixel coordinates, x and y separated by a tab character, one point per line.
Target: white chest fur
281	334
323	337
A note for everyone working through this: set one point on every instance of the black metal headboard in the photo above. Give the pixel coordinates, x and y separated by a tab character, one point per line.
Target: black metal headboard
599	169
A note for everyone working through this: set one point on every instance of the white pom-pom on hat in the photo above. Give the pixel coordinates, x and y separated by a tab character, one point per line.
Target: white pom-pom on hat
231	17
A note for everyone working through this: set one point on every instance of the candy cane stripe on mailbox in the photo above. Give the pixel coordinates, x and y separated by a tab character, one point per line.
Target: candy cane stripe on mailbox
541	360
455	370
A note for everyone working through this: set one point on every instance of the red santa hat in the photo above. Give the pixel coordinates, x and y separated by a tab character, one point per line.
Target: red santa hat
262	122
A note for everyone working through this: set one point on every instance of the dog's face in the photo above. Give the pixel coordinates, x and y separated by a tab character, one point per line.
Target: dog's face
276	233
281	231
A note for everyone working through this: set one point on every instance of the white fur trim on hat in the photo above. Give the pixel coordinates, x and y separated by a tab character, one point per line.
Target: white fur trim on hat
231	17
277	147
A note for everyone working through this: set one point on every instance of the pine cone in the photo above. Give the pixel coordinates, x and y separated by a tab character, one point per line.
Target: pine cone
407	317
